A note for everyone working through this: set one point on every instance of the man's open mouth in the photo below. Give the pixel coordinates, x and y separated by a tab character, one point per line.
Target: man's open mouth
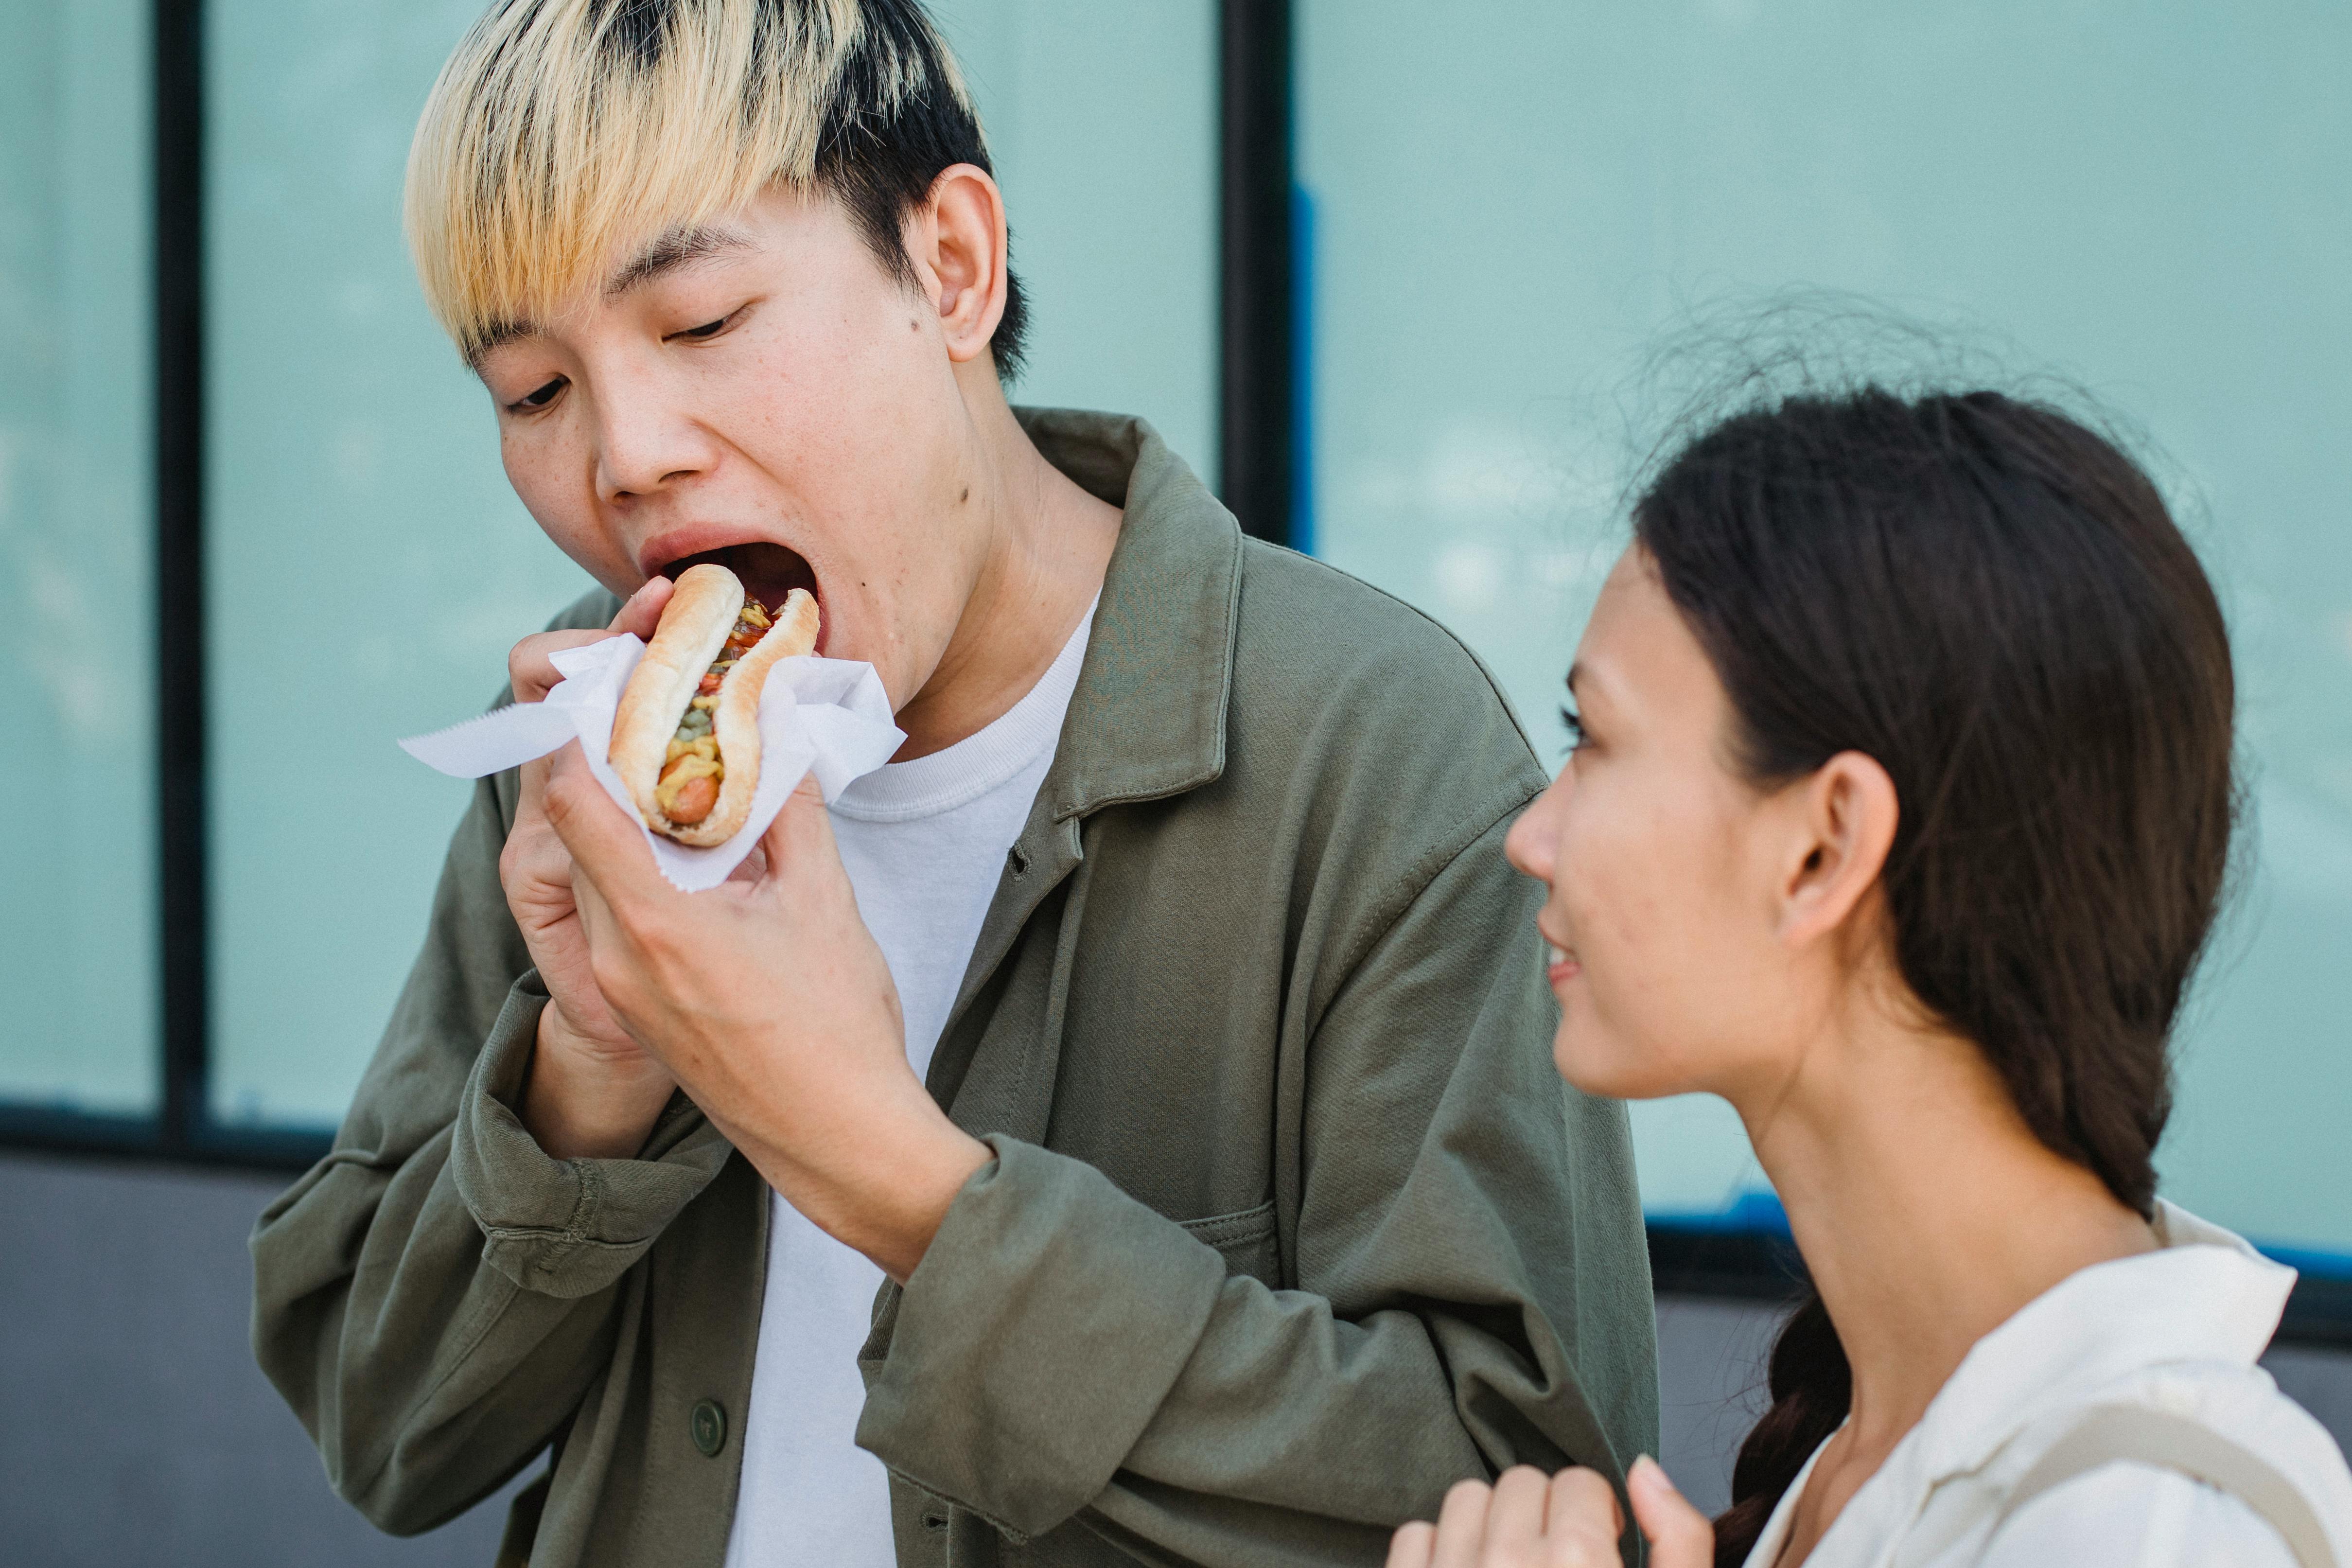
768	573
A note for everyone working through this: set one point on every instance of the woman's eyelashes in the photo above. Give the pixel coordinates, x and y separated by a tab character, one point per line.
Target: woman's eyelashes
1573	722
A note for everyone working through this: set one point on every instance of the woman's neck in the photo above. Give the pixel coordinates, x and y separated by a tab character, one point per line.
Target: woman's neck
1928	1213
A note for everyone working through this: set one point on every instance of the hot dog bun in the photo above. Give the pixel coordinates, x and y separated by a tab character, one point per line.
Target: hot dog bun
694	626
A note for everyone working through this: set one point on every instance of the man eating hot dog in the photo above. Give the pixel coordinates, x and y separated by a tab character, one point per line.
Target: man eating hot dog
1122	1128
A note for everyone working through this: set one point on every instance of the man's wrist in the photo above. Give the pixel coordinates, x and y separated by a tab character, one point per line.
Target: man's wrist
585	1102
935	1171
882	1187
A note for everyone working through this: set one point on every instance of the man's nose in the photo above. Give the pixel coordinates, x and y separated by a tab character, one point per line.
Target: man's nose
643	447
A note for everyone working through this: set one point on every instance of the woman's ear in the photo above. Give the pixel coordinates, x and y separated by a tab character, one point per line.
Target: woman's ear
958	240
1845	813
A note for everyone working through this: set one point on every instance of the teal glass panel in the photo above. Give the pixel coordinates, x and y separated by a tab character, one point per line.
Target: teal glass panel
77	911
370	567
2150	200
1102	124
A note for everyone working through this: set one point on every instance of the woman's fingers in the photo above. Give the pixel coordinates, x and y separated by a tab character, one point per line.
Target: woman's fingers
1581	1520
1514	1515
1679	1535
1526	1521
1411	1546
1584	1497
1461	1526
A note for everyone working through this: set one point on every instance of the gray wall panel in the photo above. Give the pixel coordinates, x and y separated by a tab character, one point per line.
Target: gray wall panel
135	1430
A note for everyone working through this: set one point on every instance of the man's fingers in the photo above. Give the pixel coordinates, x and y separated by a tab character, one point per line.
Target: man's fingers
530	665
1679	1535
802	833
1411	1546
602	838
642	611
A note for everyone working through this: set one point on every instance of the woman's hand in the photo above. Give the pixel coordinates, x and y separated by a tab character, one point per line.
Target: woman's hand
1571	1520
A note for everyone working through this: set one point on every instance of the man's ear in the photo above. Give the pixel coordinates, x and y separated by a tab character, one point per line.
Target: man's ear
956	240
1845	813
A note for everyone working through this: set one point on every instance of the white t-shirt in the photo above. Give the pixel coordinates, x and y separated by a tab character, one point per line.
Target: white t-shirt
925	843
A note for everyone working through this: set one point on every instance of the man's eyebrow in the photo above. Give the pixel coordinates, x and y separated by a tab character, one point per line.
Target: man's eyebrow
491	336
674	248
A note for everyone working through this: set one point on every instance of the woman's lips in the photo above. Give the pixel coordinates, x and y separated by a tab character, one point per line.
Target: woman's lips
1562	966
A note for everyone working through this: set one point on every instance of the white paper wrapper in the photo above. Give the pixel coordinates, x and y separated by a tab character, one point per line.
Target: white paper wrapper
825	716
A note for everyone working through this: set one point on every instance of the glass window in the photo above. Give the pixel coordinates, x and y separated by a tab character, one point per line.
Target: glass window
1509	208
77	863
1102	124
370	567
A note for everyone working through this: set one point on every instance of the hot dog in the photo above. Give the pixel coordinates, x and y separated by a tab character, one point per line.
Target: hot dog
686	738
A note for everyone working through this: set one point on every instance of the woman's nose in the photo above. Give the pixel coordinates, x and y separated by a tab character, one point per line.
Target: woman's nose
1530	844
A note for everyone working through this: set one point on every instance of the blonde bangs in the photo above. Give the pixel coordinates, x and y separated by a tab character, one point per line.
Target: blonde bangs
561	132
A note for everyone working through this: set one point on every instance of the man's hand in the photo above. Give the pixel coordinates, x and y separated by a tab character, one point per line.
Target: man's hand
592	1091
1571	1520
768	1001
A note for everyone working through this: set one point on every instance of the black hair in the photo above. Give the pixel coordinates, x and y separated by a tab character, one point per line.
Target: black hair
880	169
894	124
1993	602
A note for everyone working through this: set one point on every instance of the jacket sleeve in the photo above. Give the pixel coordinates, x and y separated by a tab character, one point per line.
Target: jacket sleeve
1065	1350
434	1297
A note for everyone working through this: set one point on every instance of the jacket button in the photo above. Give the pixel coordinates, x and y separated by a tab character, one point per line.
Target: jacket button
708	1425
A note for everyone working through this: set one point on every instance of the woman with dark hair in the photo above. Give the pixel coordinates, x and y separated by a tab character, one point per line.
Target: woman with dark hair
1899	816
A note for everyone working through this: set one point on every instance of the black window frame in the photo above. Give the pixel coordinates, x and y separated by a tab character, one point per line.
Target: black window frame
1262	382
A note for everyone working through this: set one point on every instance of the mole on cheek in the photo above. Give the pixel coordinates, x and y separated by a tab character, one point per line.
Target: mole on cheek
965	496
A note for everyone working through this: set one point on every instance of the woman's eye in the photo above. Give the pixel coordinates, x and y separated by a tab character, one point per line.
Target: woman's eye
708	329
540	397
1573	723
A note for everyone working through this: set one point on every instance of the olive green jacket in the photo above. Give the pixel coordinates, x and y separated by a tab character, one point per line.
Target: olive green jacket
1290	1223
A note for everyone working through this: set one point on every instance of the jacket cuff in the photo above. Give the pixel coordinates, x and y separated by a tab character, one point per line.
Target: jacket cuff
566	1228
1047	1320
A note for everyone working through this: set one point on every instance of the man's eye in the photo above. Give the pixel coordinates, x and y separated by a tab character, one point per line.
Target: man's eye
541	397
708	329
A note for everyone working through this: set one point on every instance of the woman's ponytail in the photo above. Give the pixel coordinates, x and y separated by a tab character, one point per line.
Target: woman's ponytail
1811	1387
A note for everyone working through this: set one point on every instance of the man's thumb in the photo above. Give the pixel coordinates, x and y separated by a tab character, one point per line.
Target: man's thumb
801	826
1679	1535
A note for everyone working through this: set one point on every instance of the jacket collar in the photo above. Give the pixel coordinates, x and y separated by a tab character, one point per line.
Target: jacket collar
1147	717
